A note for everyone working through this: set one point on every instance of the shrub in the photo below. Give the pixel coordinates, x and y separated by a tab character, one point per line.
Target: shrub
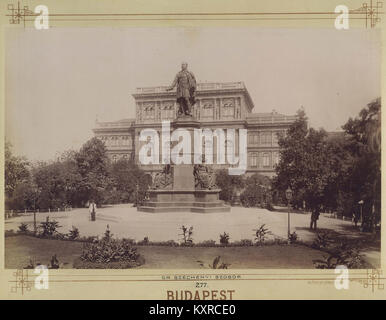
81	264
322	241
54	263
207	243
130	241
228	183
59	236
144	242
224	238
257	191
261	233
73	234
108	235
49	228
243	243
168	243
293	237
109	250
217	265
187	236
23	227
9	233
88	239
342	255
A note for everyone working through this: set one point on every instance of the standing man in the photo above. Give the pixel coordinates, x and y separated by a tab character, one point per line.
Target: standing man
92	208
186	90
314	217
357	215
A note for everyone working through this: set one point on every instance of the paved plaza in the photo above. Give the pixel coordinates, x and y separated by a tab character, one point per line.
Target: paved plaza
126	222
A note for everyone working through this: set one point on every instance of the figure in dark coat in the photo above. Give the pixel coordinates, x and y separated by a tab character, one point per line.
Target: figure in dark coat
186	90
314	217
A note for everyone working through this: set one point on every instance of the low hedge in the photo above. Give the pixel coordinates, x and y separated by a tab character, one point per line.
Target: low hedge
82	264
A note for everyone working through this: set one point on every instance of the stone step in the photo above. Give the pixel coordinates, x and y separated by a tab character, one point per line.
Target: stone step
184	204
184	209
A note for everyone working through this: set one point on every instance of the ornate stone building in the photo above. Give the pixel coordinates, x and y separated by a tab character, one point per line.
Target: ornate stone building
219	105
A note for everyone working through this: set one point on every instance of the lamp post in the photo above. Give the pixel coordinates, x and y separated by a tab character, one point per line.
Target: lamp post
361	206
35	228
136	194
35	195
288	195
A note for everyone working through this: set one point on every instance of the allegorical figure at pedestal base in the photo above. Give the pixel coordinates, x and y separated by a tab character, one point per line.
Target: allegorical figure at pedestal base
186	90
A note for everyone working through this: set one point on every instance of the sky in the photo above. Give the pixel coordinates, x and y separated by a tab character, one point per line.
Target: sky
60	80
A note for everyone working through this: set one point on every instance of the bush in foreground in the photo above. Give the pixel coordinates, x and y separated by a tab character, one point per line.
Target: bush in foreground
81	264
109	253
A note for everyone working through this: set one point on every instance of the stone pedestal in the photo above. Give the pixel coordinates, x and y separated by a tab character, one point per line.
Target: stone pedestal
183	196
183	177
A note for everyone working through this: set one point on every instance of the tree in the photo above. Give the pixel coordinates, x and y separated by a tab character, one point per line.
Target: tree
92	163
58	183
16	178
257	191
338	186
23	197
228	183
16	170
305	164
364	177
125	177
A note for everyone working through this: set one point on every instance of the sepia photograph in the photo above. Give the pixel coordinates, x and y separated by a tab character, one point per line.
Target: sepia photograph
192	148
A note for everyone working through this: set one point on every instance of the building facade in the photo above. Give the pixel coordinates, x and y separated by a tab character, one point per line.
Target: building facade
219	105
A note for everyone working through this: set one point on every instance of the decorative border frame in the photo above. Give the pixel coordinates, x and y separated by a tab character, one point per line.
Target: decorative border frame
369	12
22	283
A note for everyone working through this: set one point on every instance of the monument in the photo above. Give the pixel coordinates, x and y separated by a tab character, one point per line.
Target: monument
184	187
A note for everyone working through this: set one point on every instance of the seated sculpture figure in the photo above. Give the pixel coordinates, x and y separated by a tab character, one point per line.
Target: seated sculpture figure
204	176
163	179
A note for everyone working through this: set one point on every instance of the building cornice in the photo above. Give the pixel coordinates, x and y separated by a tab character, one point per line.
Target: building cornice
202	90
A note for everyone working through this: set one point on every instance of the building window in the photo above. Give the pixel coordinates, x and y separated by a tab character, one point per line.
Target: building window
228	110
207	110
275	158
126	140
148	112
254	160
275	137
266	138
266	160
167	112
254	138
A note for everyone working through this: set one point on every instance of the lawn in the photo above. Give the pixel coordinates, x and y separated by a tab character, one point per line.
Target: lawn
20	249
126	222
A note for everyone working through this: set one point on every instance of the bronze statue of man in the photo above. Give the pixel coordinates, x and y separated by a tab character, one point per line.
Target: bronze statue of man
186	90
